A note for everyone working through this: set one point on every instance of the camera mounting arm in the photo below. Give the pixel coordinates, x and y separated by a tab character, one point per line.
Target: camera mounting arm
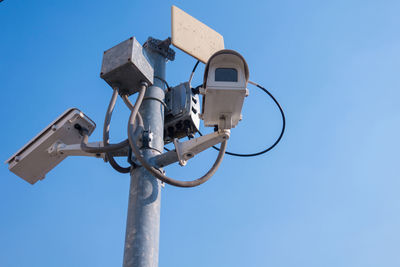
59	148
188	149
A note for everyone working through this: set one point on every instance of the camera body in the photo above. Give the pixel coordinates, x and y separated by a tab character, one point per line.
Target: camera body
34	160
224	89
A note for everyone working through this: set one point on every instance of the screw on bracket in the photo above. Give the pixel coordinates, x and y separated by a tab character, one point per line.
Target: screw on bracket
161	47
147	139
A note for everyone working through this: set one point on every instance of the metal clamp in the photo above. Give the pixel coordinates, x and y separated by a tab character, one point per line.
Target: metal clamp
59	148
161	47
147	138
190	148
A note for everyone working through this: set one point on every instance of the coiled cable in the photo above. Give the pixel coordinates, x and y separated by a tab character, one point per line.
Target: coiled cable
276	141
157	173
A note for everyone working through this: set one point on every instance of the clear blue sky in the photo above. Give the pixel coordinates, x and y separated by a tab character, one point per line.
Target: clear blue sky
328	195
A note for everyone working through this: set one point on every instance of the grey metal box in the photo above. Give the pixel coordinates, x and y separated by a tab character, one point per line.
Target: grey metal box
126	66
182	116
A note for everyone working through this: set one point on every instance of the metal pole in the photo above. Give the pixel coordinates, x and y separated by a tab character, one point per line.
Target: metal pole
143	220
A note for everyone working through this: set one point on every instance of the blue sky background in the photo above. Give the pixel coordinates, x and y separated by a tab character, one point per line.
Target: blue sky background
328	195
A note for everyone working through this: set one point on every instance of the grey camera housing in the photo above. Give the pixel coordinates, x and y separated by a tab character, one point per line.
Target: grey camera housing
182	116
34	160
126	66
225	88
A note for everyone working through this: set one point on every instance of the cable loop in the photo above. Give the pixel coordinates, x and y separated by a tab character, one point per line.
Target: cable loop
156	172
277	140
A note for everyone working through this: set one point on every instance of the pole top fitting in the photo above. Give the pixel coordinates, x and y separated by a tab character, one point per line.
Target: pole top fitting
161	47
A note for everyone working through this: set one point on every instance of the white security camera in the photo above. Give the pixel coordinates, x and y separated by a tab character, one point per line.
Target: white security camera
224	89
35	159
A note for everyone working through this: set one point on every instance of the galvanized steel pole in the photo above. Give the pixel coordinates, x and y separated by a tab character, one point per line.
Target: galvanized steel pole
143	220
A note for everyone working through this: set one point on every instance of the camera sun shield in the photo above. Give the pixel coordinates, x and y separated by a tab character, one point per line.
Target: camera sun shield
33	161
224	89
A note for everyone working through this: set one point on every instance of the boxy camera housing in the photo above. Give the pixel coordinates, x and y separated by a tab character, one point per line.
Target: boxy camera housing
224	89
33	161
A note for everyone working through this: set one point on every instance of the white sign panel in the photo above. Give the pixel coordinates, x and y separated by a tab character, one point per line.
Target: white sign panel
194	37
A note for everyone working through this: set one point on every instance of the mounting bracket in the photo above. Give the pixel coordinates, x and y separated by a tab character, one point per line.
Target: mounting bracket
187	150
59	148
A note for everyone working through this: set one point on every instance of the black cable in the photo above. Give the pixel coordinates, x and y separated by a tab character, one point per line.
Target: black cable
195	66
196	91
156	172
192	74
164	81
277	140
156	99
116	166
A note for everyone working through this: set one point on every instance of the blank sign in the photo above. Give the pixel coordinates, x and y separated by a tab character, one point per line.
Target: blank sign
194	37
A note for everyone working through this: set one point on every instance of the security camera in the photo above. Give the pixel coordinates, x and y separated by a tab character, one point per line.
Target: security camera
33	161
224	89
